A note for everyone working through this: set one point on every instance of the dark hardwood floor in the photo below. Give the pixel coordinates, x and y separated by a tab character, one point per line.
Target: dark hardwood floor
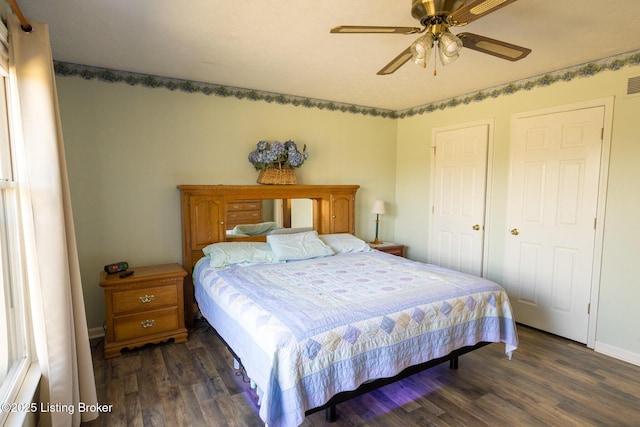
550	381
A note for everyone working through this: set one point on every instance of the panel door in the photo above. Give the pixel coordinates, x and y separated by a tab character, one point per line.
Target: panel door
553	196
460	178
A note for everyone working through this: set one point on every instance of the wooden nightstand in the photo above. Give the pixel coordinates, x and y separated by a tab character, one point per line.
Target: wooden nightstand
146	307
390	248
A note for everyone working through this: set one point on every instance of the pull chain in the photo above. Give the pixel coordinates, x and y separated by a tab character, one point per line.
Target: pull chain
435	60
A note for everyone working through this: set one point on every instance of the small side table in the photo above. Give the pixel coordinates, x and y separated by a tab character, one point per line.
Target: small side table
390	248
144	308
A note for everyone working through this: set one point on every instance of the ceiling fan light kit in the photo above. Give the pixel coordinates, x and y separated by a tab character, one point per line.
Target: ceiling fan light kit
436	17
421	49
449	44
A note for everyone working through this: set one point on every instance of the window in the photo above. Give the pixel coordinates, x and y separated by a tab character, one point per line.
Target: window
14	323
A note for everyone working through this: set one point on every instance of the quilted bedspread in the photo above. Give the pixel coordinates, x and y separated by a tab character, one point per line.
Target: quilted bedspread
307	330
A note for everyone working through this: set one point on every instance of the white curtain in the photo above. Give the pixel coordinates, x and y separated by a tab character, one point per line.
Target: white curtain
57	305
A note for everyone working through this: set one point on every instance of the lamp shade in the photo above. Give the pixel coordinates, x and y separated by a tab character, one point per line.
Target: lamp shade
421	49
378	207
448	47
449	44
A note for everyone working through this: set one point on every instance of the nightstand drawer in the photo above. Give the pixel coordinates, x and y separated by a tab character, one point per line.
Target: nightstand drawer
147	323
397	250
144	299
390	248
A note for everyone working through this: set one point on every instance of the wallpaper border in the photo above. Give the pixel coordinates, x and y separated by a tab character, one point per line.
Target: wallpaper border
134	79
614	63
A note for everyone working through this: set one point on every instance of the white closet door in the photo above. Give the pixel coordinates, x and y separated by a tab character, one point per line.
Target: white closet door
553	198
460	176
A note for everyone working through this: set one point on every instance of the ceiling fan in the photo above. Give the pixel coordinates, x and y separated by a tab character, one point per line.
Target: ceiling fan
436	16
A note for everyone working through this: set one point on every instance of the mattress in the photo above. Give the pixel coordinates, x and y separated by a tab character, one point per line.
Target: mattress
307	330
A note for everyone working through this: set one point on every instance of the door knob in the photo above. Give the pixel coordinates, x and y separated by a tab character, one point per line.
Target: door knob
476	227
515	231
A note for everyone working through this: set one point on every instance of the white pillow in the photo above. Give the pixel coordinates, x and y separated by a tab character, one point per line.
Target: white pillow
343	243
229	253
290	247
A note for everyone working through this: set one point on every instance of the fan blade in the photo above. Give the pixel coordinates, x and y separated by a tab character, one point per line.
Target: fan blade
476	9
396	63
351	29
504	50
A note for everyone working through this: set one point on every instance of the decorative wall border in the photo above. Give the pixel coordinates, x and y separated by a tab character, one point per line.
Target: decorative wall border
586	70
134	79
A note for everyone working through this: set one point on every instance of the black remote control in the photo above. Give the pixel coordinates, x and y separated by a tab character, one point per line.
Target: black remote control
126	274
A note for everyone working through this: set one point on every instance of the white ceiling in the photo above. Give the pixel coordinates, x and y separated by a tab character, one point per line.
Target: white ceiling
284	46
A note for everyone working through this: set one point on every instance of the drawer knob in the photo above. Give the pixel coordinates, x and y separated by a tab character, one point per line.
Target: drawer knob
147	323
147	298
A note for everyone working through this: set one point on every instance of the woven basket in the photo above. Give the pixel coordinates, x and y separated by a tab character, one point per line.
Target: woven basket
277	175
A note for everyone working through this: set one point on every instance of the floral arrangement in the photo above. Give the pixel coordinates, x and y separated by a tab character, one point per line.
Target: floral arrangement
270	154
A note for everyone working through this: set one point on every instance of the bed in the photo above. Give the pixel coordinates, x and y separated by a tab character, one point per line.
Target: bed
315	318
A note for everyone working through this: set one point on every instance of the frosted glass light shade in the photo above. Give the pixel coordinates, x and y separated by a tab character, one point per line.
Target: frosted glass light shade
449	47
446	60
421	49
449	44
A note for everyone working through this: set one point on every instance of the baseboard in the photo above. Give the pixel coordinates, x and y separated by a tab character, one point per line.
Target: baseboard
96	333
618	353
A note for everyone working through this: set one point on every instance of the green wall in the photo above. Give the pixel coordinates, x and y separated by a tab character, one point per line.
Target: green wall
128	147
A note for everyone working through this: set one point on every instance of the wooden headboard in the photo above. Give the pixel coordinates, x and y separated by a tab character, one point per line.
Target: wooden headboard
204	210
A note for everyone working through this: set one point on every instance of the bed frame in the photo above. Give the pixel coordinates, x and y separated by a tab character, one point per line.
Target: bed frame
330	406
204	209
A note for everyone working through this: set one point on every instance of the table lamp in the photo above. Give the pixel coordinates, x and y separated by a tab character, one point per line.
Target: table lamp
378	209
